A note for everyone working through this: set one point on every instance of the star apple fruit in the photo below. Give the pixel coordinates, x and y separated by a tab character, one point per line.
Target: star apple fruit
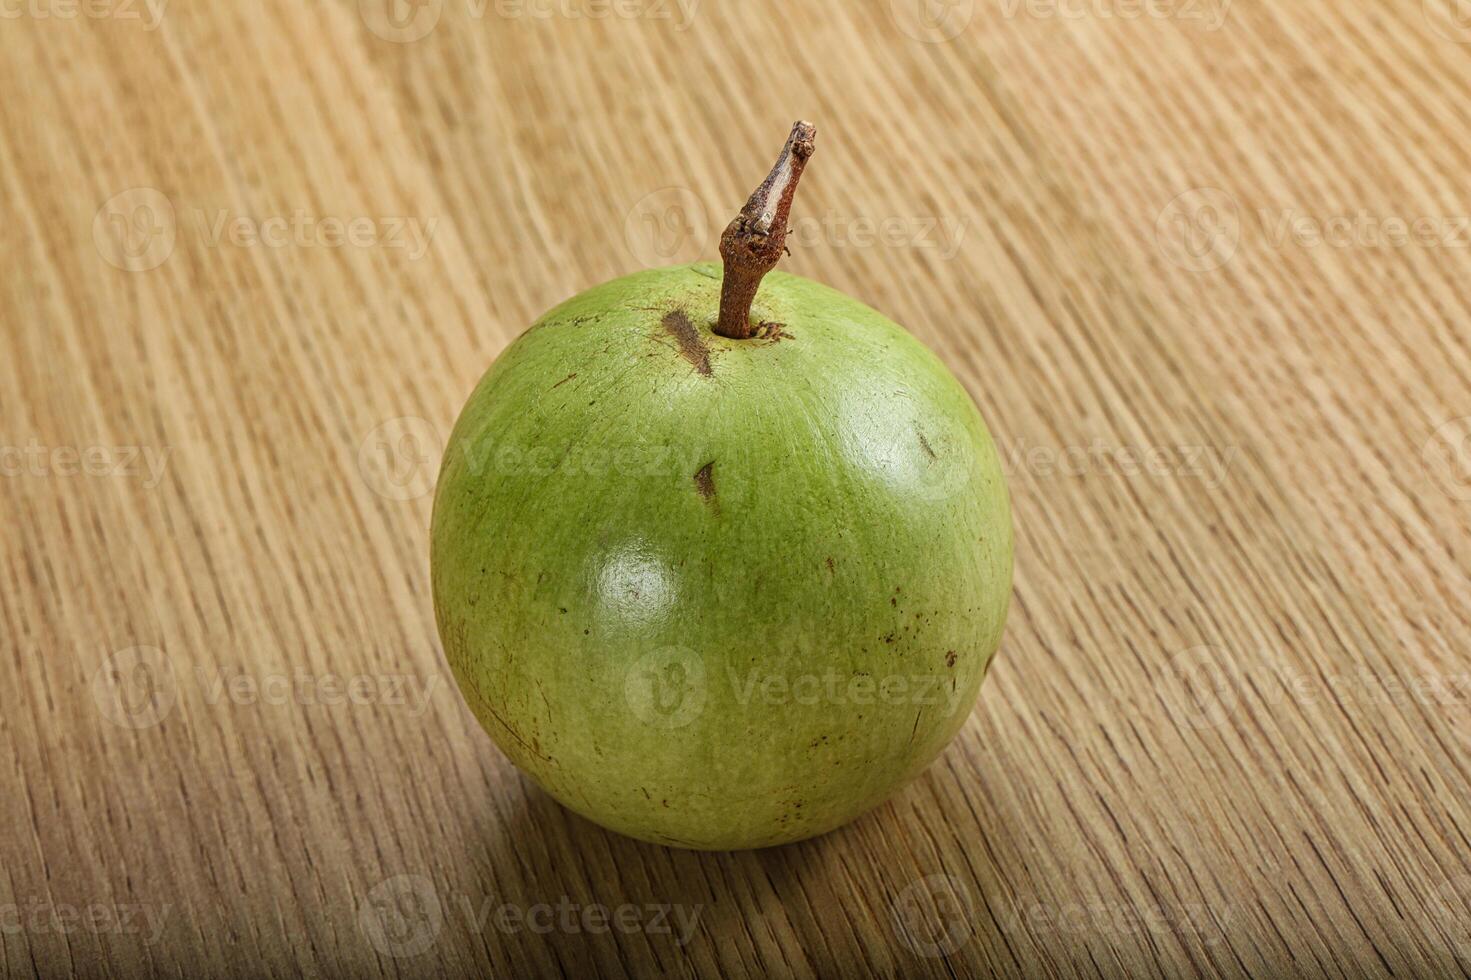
720	558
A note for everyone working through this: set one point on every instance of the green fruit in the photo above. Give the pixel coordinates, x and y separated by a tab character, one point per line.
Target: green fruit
713	592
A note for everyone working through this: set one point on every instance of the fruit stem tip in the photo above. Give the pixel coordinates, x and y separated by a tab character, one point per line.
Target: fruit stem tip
754	241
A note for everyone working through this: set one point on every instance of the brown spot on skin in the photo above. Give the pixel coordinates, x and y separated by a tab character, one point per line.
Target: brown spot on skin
691	345
564	381
677	842
830	566
950	659
528	746
705	484
773	332
925	444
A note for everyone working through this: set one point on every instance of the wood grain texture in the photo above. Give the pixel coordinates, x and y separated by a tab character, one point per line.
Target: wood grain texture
1228	729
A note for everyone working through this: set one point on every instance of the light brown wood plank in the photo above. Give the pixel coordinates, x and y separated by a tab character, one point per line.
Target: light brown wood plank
1228	730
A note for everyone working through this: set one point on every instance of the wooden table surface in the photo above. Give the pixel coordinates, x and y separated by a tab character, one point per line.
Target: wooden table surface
1203	266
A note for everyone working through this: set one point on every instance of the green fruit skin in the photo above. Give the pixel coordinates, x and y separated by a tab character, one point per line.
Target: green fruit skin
726	656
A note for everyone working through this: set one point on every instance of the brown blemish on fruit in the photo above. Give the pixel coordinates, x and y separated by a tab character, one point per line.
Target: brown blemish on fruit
534	749
830	566
773	332
950	659
564	381
925	444
677	841
705	484
691	345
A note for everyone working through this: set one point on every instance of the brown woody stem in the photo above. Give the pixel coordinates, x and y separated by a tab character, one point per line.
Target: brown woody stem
753	243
